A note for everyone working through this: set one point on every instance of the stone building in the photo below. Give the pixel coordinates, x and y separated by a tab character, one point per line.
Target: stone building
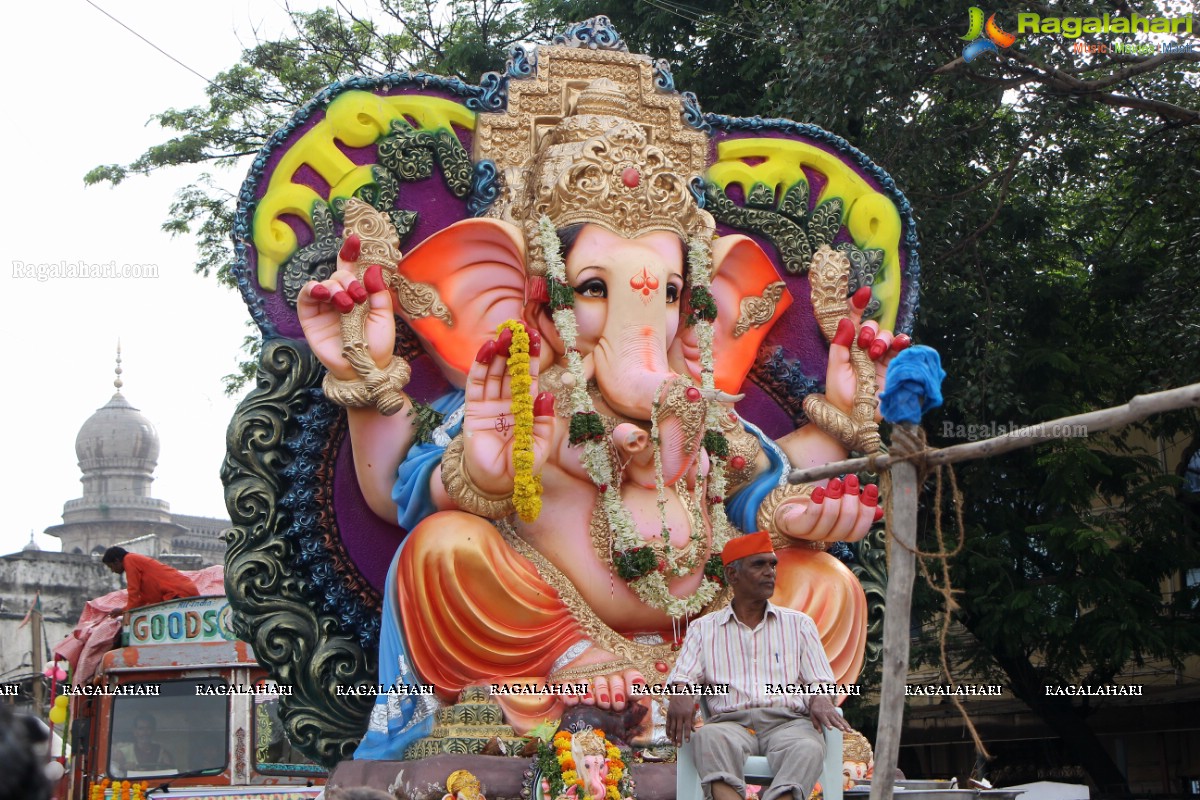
117	450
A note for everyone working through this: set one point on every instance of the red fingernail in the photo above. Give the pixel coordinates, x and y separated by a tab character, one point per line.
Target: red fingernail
865	337
818	495
356	291
900	342
834	490
845	333
504	342
603	698
878	514
618	698
319	293
535	343
373	279
543	405
870	495
351	248
342	302
861	298
486	353
852	485
877	349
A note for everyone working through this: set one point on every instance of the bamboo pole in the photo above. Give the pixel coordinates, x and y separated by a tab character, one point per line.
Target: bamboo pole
901	574
39	690
1137	409
901	556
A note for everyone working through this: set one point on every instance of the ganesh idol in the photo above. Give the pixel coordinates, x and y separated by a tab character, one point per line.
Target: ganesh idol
566	516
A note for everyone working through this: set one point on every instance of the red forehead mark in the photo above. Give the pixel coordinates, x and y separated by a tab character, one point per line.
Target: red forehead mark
644	282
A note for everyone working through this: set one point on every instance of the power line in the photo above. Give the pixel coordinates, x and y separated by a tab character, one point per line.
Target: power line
697	17
152	44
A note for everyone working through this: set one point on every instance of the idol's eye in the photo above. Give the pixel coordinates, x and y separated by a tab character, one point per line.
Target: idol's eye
672	293
593	287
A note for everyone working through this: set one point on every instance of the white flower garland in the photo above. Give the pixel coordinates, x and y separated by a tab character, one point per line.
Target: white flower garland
652	587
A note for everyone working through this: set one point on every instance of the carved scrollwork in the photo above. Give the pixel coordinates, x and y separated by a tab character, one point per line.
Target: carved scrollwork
795	232
870	567
301	643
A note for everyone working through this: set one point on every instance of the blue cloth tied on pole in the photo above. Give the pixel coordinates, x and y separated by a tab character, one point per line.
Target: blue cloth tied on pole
914	385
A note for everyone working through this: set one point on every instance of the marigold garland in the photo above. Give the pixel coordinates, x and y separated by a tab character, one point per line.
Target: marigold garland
527	487
121	790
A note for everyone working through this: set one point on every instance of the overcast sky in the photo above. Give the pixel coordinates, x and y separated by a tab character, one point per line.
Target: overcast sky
79	92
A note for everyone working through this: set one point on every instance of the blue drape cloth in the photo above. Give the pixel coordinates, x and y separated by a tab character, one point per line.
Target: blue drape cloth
914	385
398	719
742	507
411	490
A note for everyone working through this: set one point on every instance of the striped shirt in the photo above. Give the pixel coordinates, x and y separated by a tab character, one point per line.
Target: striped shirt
784	649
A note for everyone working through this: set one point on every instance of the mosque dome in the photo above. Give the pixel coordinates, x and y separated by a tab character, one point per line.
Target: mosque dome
117	435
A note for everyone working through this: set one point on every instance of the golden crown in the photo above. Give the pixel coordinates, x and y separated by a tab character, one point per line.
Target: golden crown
856	747
598	167
592	138
588	743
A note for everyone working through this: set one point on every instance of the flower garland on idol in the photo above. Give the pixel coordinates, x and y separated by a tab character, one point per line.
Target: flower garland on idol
560	777
527	487
635	561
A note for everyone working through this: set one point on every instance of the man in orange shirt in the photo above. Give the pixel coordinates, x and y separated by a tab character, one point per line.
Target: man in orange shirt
148	581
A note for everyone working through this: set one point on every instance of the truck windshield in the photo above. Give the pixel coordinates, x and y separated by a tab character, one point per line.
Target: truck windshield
175	727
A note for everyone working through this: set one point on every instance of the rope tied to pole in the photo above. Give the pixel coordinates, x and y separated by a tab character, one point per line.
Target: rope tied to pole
909	444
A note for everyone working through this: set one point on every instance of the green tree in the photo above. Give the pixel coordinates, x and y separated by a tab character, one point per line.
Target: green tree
252	99
1058	205
1058	209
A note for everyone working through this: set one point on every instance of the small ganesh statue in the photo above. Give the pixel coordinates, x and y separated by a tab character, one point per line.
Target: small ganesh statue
559	406
859	759
581	766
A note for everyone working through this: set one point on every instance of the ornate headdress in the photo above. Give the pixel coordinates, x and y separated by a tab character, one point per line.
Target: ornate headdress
856	747
598	166
587	743
594	138
463	781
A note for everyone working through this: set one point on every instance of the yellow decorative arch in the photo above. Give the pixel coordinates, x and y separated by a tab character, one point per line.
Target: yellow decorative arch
870	216
356	119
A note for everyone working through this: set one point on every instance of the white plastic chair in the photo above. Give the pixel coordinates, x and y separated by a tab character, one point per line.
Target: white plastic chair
687	778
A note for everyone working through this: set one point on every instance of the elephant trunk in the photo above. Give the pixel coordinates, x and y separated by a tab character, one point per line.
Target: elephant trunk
632	374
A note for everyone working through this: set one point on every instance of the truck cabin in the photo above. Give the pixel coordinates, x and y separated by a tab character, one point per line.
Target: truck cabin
185	703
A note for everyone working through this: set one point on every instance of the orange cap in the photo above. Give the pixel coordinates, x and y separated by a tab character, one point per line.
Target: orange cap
749	545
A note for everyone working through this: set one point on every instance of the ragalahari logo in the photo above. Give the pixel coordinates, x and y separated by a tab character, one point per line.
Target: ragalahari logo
996	39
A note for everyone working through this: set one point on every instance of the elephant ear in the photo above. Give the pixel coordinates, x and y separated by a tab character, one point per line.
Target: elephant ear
461	283
751	298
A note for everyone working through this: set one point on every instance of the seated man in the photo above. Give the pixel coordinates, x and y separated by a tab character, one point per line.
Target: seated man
748	645
148	581
143	754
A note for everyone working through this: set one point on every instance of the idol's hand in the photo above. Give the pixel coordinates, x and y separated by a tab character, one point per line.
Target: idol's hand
321	306
488	416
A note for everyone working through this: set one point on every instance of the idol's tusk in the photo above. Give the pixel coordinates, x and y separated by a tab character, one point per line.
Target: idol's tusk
720	396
